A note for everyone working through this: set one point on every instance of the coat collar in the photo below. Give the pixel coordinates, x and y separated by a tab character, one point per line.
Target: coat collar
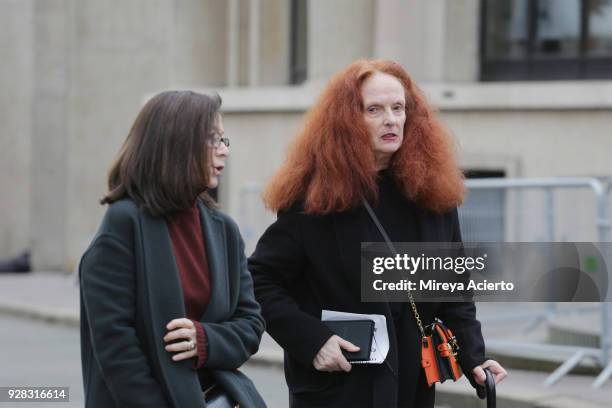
164	295
162	272
351	230
162	292
215	240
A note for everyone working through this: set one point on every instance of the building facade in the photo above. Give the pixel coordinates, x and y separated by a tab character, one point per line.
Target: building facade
524	86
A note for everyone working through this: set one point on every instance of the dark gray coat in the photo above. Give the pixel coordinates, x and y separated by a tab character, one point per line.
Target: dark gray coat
130	290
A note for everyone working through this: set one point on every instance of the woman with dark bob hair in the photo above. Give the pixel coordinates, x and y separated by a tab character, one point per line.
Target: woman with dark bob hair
167	305
371	136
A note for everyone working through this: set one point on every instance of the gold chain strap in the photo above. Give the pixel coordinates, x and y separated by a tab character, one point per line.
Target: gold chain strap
416	313
392	248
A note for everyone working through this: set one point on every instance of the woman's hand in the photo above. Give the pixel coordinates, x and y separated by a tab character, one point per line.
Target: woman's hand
330	357
496	369
181	329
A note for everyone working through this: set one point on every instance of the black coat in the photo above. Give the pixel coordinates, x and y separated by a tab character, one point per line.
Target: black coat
130	290
306	263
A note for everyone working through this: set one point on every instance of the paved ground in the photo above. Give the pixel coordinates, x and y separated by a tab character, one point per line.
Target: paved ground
35	353
38	322
38	354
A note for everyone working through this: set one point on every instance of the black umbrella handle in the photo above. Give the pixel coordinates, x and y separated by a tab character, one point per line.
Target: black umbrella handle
490	389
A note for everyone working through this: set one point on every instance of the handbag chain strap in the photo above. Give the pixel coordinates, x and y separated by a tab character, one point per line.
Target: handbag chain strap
394	251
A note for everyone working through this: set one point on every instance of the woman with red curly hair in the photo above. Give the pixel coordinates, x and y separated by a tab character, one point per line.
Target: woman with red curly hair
371	136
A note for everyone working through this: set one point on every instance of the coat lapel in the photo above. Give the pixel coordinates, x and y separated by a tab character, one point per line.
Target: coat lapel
429	226
348	226
215	240
351	230
165	302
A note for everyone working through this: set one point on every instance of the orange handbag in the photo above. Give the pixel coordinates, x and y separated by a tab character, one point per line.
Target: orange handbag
439	354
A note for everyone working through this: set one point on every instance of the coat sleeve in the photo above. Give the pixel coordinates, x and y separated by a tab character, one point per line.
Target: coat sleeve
108	288
232	342
277	264
460	317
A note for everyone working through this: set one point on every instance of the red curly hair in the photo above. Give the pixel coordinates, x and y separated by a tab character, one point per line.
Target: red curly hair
331	164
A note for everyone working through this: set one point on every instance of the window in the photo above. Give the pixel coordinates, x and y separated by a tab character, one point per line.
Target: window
299	42
483	214
546	39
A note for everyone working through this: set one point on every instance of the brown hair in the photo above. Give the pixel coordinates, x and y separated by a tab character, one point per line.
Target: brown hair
163	165
331	164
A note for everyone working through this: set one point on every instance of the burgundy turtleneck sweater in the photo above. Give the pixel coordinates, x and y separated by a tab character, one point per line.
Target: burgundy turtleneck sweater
190	253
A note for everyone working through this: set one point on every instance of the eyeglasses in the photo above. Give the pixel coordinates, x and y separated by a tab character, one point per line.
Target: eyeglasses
215	141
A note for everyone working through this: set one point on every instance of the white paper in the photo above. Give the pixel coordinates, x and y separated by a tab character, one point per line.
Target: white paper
380	343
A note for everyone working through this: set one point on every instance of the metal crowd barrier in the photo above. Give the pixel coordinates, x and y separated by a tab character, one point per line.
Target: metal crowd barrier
601	190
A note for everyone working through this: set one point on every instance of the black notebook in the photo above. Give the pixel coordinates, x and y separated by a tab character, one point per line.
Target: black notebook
358	332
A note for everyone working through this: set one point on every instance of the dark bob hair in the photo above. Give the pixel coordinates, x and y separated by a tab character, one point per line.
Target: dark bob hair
164	163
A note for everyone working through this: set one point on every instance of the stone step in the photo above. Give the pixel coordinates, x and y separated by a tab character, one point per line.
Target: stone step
583	330
538	361
522	329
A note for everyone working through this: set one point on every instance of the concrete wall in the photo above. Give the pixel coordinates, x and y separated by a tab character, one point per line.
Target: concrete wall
75	72
275	39
338	33
243	42
542	143
121	51
435	40
197	43
93	62
412	33
50	132
461	41
259	143
16	54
